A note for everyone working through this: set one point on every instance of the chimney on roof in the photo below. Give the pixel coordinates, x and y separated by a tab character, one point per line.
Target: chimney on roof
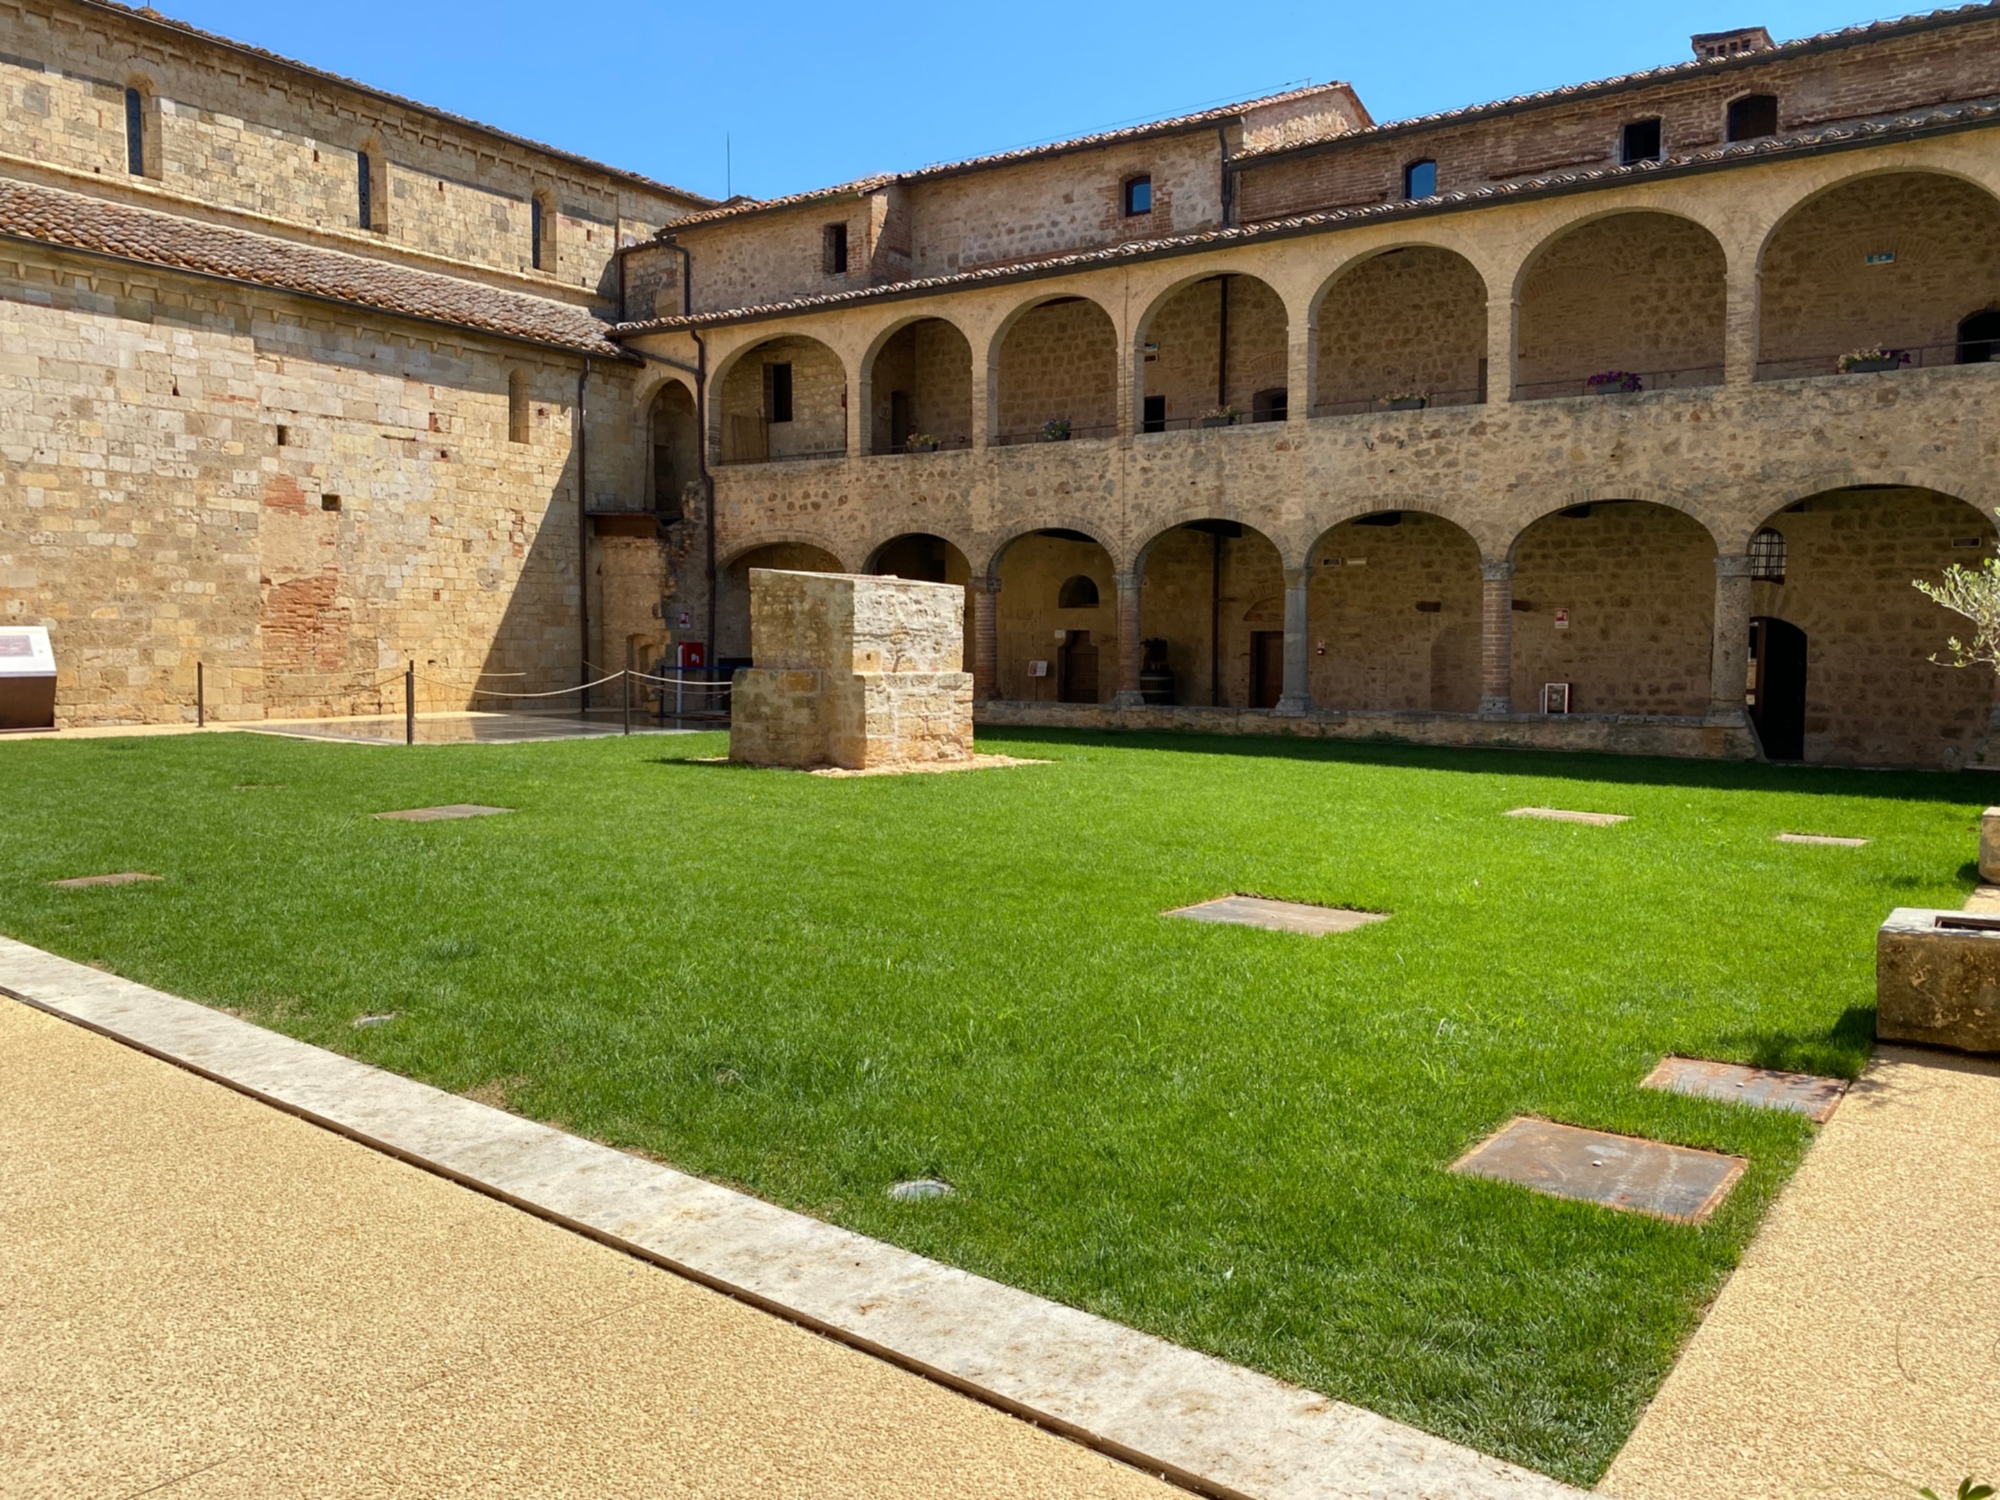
1709	46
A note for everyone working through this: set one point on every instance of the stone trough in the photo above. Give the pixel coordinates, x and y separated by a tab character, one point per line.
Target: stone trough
1937	979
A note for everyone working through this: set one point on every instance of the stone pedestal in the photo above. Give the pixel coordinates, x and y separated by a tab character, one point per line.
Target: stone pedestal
853	671
1937	979
1989	846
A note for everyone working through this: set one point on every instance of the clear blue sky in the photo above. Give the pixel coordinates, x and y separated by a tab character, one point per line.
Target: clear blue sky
814	94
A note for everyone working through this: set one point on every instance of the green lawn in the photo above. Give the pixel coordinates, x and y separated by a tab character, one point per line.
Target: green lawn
814	988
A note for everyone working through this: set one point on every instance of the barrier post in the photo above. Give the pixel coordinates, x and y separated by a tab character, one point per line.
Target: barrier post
200	699
627	679
410	704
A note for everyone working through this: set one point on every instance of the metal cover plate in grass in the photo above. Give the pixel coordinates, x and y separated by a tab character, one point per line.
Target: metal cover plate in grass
1565	815
123	877
1279	916
1799	1092
1617	1171
1821	838
438	814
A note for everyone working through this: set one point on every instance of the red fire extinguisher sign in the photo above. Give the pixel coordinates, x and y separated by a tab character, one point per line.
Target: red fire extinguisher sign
693	654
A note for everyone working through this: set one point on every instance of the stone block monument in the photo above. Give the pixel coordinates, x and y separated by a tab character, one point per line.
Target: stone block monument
853	671
1989	846
1937	979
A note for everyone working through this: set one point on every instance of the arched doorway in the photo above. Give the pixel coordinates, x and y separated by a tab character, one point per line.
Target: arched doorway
1055	618
1777	690
1212	594
1402	327
674	437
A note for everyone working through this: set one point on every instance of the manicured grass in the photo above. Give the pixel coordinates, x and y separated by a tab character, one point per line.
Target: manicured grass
1233	1138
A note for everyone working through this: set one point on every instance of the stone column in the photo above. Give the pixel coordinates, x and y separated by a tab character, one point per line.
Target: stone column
1496	638
1128	695
1741	311
1301	367
1729	655
1502	317
985	639
1296	700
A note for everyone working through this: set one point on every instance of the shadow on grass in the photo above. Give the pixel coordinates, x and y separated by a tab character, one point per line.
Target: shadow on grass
1851	1038
1904	784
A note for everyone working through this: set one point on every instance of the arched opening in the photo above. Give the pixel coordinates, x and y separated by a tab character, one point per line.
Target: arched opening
1077	592
921	385
1051	650
1209	610
1215	356
785	398
673	436
542	232
141	147
1979	338
1633	302
1837	623
1878	274
1393	615
1753	117
1403	329
927	559
733	646
1058	374
1614	601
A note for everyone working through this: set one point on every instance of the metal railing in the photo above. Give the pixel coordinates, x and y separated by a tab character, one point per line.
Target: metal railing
1476	396
783	458
940	445
1187	424
1688	378
1900	357
1034	435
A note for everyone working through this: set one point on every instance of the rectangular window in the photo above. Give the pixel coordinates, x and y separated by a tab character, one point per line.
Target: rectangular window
135	133
365	201
833	249
1753	117
1420	180
1640	141
1154	417
778	392
535	233
1138	196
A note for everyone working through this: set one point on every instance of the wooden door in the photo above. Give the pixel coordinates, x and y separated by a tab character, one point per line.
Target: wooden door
1267	667
1079	668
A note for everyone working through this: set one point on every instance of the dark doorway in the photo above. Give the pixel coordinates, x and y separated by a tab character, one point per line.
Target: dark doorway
1267	667
1979	338
899	419
1778	687
1079	668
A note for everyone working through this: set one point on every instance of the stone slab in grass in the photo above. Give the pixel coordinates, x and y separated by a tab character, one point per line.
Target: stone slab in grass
1799	1092
1821	838
439	814
82	882
1565	815
1617	1171
1279	916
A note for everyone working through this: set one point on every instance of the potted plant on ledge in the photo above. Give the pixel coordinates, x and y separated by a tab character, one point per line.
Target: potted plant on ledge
1872	361
1219	416
1613	383
1407	400
920	442
1055	430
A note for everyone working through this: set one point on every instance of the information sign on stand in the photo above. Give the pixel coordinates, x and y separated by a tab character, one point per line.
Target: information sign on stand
27	678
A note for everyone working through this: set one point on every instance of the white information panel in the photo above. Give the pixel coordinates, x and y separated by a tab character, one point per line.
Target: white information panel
25	651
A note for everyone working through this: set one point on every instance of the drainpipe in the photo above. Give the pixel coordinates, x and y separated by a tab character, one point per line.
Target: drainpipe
1222	347
1228	182
701	435
583	533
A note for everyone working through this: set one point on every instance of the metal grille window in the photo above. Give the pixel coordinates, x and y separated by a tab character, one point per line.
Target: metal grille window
1767	556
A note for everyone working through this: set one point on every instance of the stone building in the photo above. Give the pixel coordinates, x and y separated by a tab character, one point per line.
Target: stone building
1618	416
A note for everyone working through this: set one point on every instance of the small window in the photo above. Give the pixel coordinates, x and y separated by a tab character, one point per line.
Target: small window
1639	141
1767	556
284	436
329	502
778	392
1153	418
1138	196
1269	406
1753	117
1077	593
365	199
135	133
517	406
833	249
1420	180
535	231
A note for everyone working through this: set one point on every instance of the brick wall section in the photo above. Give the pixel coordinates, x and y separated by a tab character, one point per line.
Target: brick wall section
1638	581
1822	298
1380	650
1187	329
1410	320
1635	292
1031	577
819	401
931	363
1178	599
1959	62
150	517
1059	360
1872	695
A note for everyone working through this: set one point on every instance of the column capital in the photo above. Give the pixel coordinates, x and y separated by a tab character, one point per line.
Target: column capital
979	585
1732	567
1496	572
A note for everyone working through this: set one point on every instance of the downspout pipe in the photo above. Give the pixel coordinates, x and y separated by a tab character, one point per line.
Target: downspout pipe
583	533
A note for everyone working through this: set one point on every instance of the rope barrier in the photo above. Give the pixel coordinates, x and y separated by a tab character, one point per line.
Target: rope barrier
582	687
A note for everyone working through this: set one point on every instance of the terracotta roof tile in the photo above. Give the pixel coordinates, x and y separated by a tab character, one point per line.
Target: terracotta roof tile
1973	113
73	221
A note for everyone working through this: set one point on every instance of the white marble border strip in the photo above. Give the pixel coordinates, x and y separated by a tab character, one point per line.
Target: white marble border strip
1211	1426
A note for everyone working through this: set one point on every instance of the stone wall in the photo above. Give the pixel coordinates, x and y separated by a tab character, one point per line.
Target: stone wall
931	363
1393	616
819	403
1060	360
300	500
1202	591
1185	369
1407	321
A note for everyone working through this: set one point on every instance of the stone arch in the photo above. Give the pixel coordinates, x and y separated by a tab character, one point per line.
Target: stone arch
1054	358
757	416
1393	609
732	587
1213	340
1637	291
1029	569
1615	597
917	377
1890	259
1404	320
1201	579
673	438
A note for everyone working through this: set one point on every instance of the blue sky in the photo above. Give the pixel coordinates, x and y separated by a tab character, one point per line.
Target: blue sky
810	95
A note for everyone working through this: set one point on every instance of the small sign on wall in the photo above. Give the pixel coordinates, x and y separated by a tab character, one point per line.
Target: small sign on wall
1038	669
1880	258
686	620
1562	619
1555	697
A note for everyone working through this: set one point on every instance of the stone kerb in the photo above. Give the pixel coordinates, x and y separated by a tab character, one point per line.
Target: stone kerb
853	671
